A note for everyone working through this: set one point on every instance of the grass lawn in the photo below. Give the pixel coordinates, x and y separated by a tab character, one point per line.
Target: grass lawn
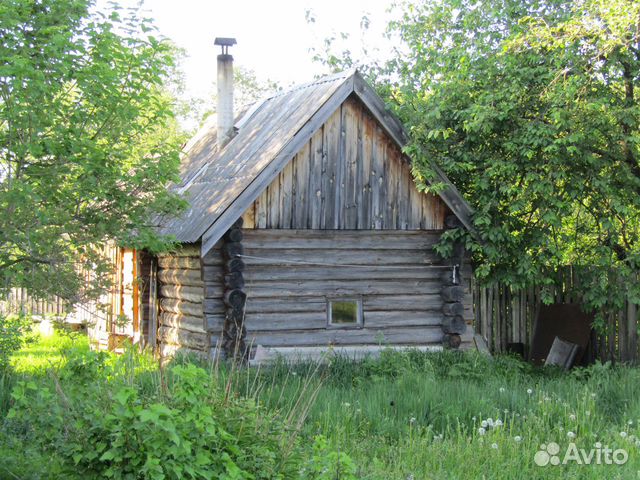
404	416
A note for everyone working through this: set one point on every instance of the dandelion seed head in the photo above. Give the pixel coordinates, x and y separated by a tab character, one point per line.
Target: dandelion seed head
529	391
481	431
623	434
517	438
494	446
571	435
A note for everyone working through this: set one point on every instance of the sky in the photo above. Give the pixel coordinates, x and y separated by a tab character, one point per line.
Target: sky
273	36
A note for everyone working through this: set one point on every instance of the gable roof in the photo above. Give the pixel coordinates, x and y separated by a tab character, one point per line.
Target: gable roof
221	184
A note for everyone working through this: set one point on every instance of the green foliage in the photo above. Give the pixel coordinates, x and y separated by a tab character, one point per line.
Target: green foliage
529	106
89	140
119	417
405	415
327	464
13	329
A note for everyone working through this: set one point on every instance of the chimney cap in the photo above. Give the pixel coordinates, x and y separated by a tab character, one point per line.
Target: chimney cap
225	43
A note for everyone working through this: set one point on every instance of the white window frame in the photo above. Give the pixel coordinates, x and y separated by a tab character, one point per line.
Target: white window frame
359	317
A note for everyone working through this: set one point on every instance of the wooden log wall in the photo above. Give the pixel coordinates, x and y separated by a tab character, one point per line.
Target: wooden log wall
234	331
181	321
453	293
396	274
348	176
213	273
504	316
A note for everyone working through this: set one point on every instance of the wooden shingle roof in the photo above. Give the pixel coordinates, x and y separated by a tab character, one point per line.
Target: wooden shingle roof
220	184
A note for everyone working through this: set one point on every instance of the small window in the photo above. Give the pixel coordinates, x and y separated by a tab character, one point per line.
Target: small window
344	312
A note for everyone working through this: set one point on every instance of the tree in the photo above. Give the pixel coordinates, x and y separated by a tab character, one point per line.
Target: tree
531	107
88	140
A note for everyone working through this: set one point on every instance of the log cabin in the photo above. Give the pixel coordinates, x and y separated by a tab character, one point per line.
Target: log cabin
306	231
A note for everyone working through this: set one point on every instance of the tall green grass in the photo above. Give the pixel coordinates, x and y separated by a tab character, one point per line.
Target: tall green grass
410	415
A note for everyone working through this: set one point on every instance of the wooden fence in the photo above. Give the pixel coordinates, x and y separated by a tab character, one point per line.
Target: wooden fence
18	300
504	317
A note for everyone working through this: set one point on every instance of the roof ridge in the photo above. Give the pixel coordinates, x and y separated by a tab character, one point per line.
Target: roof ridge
254	107
318	81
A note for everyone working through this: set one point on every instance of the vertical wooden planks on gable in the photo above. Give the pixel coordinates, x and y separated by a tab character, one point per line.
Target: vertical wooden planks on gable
405	185
286	186
341	167
365	150
349	149
415	204
330	161
315	209
249	216
273	202
377	181
350	175
261	210
392	177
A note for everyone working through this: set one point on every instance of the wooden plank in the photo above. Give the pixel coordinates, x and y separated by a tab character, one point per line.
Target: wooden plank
214	322
407	336
365	152
414	258
330	168
182	292
301	184
260	206
181	307
183	322
273	203
338	240
415	205
183	338
405	185
317	178
286	193
249	217
259	273
192	263
318	320
337	287
213	257
383	303
180	277
213	290
183	250
212	274
214	306
348	202
390	192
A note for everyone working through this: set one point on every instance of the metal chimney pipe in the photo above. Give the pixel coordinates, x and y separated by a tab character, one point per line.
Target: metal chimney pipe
224	112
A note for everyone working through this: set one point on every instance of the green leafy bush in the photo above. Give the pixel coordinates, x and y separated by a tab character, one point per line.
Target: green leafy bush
13	329
190	428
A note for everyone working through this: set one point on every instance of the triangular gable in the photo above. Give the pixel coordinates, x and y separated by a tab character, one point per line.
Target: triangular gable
226	185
